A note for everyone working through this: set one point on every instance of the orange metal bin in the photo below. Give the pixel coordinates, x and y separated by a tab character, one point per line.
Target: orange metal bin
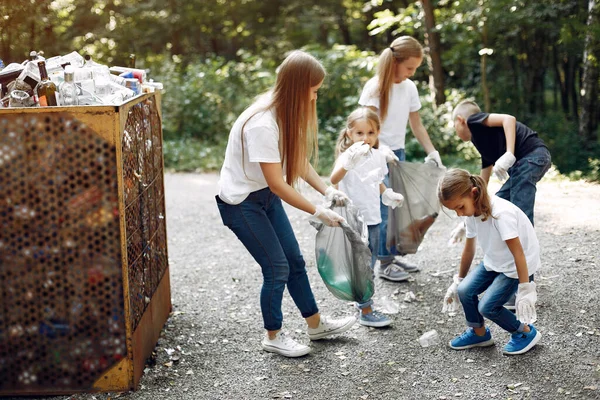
84	274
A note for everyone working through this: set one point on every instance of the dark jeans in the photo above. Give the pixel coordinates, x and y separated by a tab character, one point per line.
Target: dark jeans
386	256
498	289
261	224
520	188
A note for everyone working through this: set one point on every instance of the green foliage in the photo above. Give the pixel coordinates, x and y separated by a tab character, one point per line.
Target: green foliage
204	99
193	155
348	69
569	154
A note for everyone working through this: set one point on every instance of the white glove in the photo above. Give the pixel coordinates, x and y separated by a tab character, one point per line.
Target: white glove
328	217
340	198
525	303
458	233
354	154
434	159
502	165
389	154
391	198
451	300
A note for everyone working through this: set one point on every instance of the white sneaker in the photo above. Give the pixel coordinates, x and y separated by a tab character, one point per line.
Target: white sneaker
328	327
284	345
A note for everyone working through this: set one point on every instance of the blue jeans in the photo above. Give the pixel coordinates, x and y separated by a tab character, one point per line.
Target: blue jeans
498	289
520	188
374	235
373	245
387	256
261	224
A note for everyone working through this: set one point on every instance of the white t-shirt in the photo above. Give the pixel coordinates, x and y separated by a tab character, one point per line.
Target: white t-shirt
261	144
361	184
404	99
510	222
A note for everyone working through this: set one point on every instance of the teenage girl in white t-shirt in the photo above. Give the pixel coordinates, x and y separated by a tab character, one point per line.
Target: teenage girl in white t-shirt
395	97
511	257
268	151
359	172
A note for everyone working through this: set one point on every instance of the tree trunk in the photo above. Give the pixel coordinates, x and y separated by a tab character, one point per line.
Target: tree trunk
484	87
572	86
588	122
343	25
560	81
432	39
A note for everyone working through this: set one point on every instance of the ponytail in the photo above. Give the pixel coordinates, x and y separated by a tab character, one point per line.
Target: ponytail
459	183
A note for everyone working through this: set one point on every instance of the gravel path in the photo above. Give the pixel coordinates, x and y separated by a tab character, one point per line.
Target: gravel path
215	328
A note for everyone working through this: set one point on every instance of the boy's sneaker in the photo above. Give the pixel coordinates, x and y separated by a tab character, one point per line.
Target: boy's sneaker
374	319
284	345
406	266
328	327
470	339
392	272
522	342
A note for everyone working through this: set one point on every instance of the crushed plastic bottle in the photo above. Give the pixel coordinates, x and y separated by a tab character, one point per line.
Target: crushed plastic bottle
429	338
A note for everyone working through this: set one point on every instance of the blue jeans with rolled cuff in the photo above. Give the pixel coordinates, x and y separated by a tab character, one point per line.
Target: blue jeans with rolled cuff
520	188
386	256
498	289
261	224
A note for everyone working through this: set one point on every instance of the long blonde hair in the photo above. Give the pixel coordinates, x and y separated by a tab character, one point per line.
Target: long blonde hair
361	113
296	114
459	183
400	50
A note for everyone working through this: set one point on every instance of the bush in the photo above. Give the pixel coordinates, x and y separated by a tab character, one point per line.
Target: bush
202	100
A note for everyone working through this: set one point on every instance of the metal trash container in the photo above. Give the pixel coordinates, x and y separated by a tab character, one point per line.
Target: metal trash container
84	274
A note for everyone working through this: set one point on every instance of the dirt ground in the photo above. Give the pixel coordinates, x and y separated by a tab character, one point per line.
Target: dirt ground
210	347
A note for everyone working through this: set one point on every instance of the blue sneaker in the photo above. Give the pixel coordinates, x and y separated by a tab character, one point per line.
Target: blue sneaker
522	342
469	339
374	319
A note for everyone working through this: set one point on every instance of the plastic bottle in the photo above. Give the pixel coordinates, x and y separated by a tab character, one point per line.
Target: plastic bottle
67	89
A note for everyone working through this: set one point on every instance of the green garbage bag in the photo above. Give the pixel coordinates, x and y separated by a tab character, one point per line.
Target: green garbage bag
343	256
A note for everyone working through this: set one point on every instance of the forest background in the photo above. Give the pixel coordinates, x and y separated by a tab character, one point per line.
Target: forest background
536	60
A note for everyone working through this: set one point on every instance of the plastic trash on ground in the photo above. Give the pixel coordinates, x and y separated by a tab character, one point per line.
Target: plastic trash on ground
407	225
429	338
343	256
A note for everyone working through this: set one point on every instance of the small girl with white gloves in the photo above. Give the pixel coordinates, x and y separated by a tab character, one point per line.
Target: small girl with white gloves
359	171
511	257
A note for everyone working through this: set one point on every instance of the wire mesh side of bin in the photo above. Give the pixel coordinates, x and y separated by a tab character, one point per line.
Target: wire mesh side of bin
83	259
145	227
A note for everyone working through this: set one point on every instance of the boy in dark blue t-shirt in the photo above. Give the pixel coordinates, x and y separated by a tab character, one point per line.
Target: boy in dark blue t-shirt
507	148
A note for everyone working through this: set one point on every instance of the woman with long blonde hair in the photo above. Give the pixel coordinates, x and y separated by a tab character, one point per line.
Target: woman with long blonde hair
268	151
395	97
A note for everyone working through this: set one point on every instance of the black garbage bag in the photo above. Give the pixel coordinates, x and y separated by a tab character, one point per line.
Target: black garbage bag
407	225
343	256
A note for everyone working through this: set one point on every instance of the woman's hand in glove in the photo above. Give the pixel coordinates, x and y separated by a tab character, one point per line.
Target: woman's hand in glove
328	217
340	198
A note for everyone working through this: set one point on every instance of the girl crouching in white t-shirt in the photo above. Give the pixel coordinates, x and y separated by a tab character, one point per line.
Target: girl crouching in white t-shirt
267	152
359	171
511	257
